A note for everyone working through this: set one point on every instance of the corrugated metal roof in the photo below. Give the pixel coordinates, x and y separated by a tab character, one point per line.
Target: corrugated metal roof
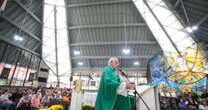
196	11
23	18
102	28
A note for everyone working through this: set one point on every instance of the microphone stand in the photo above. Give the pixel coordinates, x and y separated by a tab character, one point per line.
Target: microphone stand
136	93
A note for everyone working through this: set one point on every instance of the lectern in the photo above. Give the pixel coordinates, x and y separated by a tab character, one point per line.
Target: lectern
149	94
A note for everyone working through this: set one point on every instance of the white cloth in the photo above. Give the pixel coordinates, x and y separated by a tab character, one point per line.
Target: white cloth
76	102
122	87
89	98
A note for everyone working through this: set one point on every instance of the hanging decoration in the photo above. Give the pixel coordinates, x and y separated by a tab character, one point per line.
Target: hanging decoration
183	72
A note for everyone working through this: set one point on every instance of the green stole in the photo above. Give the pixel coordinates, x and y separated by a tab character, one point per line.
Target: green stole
107	98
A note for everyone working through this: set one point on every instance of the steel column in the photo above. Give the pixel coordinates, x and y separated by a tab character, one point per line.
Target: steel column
4	51
16	63
28	66
56	45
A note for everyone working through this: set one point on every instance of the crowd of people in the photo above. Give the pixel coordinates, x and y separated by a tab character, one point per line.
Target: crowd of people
33	98
193	102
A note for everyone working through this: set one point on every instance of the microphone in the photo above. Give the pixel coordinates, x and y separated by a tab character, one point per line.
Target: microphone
91	77
122	73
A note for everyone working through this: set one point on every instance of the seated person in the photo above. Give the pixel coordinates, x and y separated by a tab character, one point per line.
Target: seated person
182	104
7	101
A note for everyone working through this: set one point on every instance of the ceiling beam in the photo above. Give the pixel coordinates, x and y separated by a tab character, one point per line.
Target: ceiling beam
98	3
17	26
108	26
114	43
19	46
107	57
97	69
202	20
28	11
185	12
176	3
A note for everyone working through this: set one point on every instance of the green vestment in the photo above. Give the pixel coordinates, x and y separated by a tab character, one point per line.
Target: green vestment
107	97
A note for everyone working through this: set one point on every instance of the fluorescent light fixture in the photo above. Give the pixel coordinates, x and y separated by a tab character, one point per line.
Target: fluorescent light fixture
80	63
76	52
126	51
194	27
136	63
189	29
18	38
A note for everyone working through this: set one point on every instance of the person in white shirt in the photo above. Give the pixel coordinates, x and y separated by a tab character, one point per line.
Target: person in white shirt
122	90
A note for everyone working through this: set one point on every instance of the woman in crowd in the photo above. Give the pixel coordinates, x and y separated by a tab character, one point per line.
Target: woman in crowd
45	100
35	102
31	98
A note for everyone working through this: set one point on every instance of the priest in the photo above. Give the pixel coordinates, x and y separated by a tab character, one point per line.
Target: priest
112	93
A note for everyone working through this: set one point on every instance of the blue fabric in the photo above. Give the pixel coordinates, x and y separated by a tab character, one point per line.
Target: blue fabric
182	105
160	70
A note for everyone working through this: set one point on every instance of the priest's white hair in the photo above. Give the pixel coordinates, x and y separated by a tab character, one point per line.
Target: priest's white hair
112	59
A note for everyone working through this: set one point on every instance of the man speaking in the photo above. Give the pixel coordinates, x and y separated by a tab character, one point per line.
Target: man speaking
112	93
